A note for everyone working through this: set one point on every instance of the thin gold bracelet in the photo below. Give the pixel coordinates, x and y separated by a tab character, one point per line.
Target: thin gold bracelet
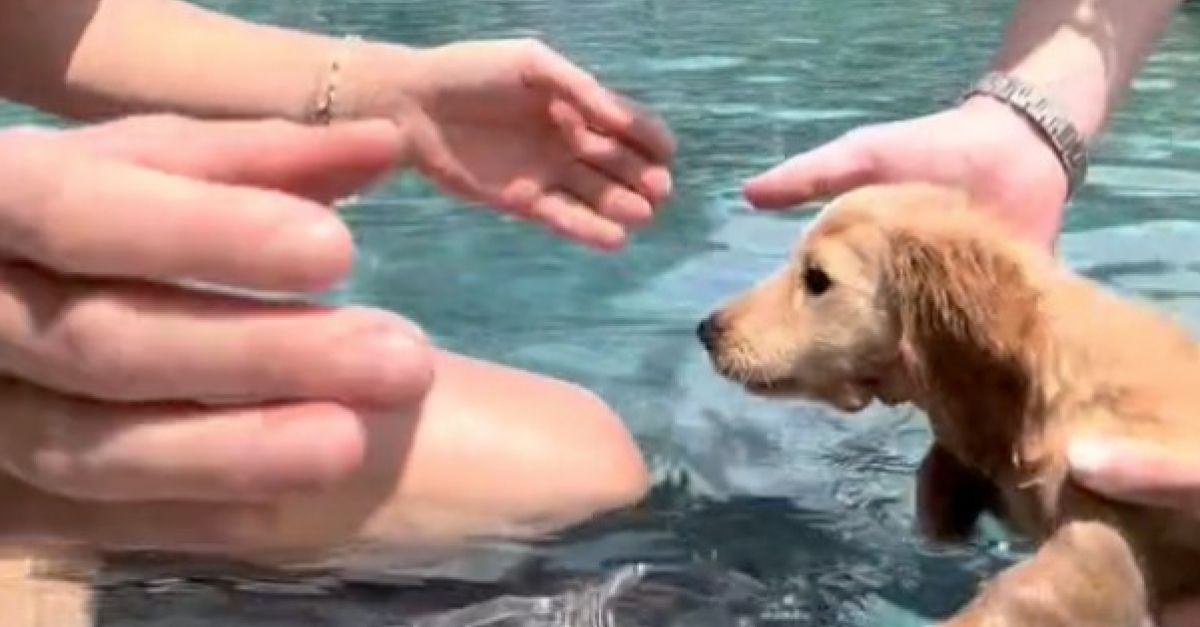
324	113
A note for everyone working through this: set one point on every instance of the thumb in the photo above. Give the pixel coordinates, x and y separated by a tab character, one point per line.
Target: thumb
1137	472
827	170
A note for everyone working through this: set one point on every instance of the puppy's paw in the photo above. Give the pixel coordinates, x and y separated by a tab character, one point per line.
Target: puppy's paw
1084	576
950	497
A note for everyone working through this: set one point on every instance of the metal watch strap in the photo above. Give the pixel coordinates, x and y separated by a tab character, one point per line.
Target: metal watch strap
1063	136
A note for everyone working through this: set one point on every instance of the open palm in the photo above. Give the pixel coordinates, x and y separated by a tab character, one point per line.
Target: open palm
514	125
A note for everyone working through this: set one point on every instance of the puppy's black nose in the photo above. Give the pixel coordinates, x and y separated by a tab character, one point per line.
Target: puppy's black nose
708	331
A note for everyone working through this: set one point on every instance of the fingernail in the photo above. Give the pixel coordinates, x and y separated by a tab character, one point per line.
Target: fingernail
658	183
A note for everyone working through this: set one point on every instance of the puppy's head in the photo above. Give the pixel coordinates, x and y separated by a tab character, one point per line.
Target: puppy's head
888	284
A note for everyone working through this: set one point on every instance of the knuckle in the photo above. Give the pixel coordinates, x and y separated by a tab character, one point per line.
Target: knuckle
534	58
92	344
55	470
49	234
71	252
520	196
37	444
595	147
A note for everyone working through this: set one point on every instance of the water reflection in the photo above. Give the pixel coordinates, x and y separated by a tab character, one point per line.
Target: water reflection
677	560
764	513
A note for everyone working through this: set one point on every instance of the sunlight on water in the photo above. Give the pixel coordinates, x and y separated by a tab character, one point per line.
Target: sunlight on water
764	514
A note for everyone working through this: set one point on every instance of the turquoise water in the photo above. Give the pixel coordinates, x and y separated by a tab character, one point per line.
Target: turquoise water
763	513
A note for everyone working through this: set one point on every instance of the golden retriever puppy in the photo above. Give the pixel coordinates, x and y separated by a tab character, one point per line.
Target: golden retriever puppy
907	293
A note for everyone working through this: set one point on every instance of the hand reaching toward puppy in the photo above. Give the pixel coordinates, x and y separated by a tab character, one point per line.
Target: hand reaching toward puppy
982	146
514	125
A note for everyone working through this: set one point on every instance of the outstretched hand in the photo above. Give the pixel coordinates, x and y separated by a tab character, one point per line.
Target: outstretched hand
516	126
981	146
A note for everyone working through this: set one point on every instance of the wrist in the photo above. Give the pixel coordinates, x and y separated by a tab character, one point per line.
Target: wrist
370	79
1014	140
1083	103
1044	116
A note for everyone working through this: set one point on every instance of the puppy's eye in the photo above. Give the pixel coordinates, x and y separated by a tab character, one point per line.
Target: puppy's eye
816	282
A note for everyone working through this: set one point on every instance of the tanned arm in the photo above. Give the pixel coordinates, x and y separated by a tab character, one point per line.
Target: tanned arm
1082	52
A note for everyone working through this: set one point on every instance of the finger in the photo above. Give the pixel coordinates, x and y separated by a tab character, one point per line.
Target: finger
1137	472
101	217
96	451
612	157
320	163
828	170
566	216
34	517
607	112
605	196
140	342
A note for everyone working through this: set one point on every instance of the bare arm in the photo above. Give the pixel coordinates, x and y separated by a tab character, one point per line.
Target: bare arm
1083	52
99	58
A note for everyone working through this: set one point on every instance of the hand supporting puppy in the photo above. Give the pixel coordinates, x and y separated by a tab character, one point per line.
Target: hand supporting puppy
1139	471
119	384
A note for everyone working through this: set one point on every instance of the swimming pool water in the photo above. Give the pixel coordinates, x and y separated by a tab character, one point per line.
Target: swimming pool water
764	513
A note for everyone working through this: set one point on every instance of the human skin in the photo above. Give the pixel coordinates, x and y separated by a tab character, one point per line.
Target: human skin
298	399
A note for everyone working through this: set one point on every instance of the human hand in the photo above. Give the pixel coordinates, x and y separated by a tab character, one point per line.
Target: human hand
514	125
981	146
1143	473
121	386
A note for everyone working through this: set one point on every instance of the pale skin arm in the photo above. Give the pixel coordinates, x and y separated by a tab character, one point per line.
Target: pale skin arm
509	124
100	58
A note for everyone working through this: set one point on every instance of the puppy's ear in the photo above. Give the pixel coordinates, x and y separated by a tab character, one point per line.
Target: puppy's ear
957	289
970	318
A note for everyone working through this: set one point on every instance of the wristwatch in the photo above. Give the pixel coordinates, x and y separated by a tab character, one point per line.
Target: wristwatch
1054	126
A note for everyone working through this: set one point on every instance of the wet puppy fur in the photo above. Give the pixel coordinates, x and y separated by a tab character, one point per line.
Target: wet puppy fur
908	294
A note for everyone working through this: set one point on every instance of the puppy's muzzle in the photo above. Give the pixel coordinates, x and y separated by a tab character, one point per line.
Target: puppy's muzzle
709	332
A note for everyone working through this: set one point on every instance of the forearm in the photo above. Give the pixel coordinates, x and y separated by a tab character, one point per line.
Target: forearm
98	58
1084	53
